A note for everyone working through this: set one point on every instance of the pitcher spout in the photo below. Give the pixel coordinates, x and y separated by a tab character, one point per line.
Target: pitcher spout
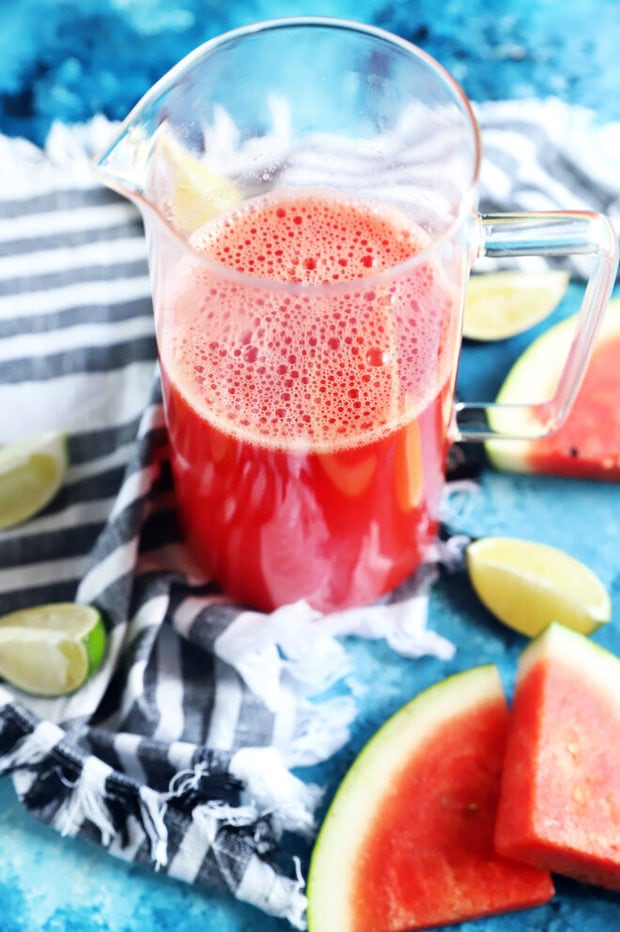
123	164
156	169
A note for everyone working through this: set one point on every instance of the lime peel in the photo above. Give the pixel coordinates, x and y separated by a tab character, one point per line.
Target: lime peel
32	471
528	585
51	650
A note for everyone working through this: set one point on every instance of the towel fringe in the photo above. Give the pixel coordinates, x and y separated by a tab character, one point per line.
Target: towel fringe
152	812
275	790
87	801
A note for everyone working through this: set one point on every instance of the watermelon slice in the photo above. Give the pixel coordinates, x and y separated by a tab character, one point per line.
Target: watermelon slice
408	840
587	445
560	796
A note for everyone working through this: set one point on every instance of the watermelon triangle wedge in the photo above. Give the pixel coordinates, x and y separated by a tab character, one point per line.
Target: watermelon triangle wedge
559	806
587	445
407	842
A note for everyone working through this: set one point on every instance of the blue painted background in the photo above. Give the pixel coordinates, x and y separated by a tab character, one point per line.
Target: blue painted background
68	59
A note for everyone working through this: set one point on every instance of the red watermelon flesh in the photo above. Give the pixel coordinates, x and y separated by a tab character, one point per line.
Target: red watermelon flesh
408	840
587	445
560	796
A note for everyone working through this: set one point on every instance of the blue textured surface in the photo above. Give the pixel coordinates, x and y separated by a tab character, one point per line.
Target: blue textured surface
67	59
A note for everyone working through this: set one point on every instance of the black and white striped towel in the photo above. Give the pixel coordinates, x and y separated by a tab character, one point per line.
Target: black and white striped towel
178	753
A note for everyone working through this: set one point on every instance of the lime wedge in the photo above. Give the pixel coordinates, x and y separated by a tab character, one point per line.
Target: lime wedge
501	304
193	192
51	650
527	585
31	472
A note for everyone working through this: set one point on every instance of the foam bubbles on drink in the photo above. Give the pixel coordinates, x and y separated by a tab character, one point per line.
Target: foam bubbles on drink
325	368
377	357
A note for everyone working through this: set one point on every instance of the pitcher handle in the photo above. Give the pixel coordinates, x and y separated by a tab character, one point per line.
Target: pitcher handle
548	233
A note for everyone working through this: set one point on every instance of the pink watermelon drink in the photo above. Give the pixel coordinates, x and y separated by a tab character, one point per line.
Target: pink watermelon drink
308	398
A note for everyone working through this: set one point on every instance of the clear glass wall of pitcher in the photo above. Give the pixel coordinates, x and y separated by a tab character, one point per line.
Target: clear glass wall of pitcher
309	192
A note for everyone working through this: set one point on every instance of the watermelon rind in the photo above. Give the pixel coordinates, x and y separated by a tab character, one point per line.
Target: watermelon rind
533	379
343	831
560	643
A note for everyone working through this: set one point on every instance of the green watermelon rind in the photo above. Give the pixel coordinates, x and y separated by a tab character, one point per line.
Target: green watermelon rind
344	828
532	380
559	643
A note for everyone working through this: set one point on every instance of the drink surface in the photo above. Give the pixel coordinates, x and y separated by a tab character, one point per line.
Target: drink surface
325	366
307	398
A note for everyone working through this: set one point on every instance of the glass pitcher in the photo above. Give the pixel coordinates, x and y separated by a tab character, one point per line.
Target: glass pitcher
309	194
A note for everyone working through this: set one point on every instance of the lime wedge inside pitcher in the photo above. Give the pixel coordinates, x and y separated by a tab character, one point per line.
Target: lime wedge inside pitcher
194	194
